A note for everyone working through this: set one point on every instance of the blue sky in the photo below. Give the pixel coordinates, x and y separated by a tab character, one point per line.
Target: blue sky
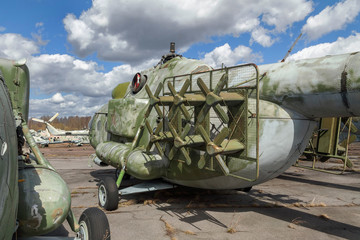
77	51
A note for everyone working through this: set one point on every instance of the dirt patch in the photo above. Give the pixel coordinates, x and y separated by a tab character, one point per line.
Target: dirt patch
66	150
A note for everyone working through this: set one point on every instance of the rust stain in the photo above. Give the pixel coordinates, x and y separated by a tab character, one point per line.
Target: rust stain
57	213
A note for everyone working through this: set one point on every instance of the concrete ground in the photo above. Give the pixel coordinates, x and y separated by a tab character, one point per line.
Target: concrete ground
299	204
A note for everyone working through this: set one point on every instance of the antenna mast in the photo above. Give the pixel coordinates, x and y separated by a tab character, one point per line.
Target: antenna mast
287	54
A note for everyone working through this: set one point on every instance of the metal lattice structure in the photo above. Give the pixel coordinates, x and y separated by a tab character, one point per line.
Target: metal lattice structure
214	114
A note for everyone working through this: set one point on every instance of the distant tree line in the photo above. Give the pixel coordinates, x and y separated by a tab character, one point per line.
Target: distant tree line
65	123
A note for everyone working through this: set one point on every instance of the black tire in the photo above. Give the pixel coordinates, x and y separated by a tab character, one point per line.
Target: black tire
94	225
108	194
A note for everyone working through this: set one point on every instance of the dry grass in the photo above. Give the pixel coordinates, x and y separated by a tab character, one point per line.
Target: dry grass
151	201
312	204
324	216
170	230
128	203
296	222
234	224
231	230
189	232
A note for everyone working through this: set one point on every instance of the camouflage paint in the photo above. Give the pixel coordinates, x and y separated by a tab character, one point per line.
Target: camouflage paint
17	79
146	166
8	166
39	199
44	200
112	153
120	90
97	127
126	125
319	87
292	95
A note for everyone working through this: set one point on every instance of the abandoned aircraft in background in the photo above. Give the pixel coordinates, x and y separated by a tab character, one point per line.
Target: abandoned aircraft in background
228	128
34	199
39	139
78	137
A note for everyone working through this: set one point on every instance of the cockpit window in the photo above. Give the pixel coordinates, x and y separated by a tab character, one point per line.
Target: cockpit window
138	82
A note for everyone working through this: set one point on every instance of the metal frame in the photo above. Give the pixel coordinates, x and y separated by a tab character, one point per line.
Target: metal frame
317	154
172	108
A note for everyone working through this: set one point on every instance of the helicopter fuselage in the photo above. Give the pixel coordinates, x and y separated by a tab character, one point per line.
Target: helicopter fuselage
222	129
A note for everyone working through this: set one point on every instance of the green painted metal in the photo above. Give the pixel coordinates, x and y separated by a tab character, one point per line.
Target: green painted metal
32	192
325	144
219	93
8	165
330	82
41	160
97	132
71	219
206	123
178	100
113	153
327	139
121	176
145	166
120	90
16	75
44	200
125	125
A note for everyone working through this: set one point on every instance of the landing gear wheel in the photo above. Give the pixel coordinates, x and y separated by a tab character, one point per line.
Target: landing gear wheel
94	225
108	194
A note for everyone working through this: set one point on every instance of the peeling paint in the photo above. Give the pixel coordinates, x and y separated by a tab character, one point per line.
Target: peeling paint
291	95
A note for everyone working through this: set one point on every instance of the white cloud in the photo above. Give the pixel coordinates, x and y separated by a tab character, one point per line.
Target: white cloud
78	87
282	13
72	105
331	18
57	98
133	31
2	28
68	74
261	35
14	46
72	83
225	55
341	45
79	33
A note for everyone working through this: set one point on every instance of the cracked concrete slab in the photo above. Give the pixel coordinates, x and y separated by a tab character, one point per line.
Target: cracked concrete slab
298	204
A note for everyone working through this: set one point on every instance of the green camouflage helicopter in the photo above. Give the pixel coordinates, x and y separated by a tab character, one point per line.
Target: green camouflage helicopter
228	128
34	199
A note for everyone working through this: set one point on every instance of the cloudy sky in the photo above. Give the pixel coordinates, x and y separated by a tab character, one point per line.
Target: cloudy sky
78	51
